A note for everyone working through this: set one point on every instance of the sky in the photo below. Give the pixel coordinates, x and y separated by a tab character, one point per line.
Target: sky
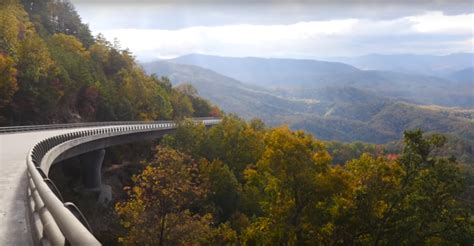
160	29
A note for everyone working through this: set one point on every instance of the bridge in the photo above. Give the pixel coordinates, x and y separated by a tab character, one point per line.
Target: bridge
32	210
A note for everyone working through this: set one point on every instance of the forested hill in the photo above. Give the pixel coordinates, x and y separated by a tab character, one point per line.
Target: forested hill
411	63
267	71
53	70
342	113
299	78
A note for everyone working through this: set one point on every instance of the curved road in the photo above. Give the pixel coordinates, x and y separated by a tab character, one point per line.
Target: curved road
14	147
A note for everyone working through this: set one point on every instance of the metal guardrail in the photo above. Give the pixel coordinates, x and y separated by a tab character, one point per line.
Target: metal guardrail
9	129
54	221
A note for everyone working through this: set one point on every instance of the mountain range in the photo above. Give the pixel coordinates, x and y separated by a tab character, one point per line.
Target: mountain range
432	65
332	100
300	78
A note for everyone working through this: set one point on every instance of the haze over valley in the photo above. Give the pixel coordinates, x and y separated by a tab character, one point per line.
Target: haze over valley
334	100
338	72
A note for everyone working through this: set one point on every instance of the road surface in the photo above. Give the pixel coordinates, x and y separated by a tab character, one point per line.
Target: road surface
14	225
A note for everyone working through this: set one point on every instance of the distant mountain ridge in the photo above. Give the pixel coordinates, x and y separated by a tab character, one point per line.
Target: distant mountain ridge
231	95
465	75
300	78
410	63
336	112
266	71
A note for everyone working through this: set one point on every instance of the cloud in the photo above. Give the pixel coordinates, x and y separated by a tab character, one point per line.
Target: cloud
431	32
319	2
437	22
167	14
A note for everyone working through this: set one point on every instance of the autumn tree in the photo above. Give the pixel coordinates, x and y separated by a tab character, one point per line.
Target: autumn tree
287	173
182	105
63	74
235	143
189	138
409	200
200	106
163	207
8	84
10	27
289	193
224	189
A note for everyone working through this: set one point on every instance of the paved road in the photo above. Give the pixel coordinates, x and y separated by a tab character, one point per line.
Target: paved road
14	227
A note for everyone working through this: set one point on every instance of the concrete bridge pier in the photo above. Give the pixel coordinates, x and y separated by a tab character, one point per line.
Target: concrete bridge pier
91	163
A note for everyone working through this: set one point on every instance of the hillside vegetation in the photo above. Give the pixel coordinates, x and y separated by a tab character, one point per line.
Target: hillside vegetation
341	111
299	78
244	184
231	95
53	70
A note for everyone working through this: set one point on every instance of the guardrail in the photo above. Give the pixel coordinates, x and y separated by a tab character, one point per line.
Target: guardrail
53	220
9	129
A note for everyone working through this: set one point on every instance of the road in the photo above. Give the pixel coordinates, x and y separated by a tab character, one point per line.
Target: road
14	227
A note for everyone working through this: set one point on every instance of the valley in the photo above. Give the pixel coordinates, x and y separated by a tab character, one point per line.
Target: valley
331	100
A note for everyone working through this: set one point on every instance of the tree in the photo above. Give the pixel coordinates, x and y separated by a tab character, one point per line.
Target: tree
8	85
189	138
69	43
287	171
9	28
62	74
412	200
187	89
100	50
235	143
52	16
163	205
201	107
224	189
34	61
182	105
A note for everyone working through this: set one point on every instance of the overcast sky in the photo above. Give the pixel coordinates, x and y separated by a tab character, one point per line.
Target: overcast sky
293	29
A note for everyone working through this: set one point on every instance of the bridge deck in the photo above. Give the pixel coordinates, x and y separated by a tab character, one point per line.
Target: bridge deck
61	224
14	227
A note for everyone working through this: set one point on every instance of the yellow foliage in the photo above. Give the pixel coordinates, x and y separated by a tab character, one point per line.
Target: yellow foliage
70	44
100	52
34	60
14	26
8	84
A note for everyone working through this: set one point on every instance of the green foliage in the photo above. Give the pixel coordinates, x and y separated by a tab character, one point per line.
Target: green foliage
200	106
225	190
182	105
188	138
53	16
343	152
233	142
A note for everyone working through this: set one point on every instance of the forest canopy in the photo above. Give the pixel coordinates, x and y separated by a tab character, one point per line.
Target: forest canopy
241	183
53	70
